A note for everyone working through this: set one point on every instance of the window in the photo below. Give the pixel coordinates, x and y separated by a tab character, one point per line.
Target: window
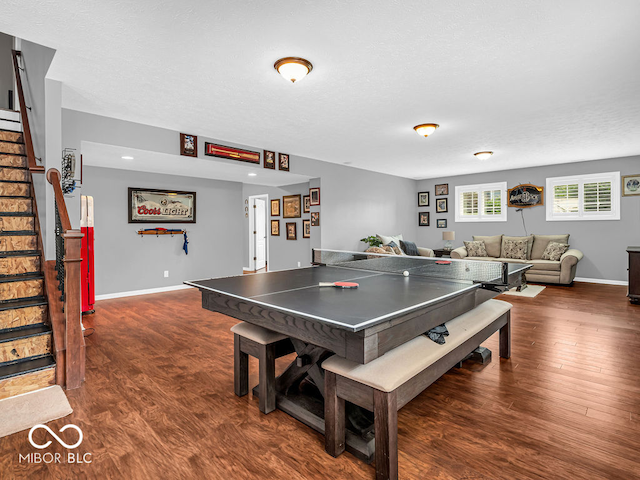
584	197
481	203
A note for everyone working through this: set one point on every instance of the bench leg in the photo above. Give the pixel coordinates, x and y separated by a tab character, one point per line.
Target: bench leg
385	412
267	378
240	368
334	417
505	338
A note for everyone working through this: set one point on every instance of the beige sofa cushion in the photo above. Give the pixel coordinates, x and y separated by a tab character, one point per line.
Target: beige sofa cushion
493	244
540	242
529	240
547	265
401	364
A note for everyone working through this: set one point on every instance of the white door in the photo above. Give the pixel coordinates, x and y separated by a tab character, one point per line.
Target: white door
260	235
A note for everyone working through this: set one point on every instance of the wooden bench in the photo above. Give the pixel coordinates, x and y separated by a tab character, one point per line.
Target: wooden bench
266	346
389	382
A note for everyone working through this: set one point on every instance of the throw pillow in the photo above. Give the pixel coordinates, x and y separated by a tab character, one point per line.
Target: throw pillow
386	239
475	249
374	250
540	243
554	251
529	240
515	249
409	248
492	244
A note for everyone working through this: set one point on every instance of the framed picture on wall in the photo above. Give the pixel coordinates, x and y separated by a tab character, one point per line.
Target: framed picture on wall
292	206
283	162
269	159
630	185
441	223
150	205
275	207
315	219
275	228
423	199
442	205
306	228
306	201
315	196
423	219
291	231
442	189
188	145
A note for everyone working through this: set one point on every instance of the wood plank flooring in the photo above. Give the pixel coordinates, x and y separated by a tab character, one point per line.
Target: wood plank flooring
158	401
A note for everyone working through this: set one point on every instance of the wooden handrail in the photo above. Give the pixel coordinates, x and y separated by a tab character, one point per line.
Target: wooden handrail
53	177
26	129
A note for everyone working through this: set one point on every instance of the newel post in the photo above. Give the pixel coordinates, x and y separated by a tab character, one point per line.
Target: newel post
73	309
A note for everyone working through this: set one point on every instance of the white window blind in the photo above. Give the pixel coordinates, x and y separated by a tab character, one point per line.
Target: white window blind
481	203
584	197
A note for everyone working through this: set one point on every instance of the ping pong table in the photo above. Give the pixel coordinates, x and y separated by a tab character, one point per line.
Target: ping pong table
398	299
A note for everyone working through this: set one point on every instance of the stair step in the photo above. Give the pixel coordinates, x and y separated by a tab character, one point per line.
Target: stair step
15	205
14	174
15	223
31	341
20	243
17	317
20	253
24	332
12	147
13	161
19	265
16	214
11	115
22	367
23	287
28	382
11	136
17	304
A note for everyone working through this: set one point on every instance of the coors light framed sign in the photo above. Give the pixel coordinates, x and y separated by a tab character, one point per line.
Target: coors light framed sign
149	205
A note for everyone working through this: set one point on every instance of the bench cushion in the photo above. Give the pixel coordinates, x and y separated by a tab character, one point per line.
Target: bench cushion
257	334
399	365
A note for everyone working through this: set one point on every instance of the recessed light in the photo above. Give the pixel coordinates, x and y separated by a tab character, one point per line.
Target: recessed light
483	155
127	157
426	129
252	174
293	68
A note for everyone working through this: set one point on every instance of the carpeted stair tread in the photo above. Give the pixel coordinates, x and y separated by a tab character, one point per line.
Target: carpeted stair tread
21	367
22	278
27	332
22	303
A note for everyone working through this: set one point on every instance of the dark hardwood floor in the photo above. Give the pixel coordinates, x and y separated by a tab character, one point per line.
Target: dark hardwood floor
158	401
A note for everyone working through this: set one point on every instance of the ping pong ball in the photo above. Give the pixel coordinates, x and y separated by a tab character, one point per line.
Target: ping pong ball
405	273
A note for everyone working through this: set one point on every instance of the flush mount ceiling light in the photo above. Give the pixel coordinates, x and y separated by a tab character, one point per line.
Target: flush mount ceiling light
293	68
127	157
483	155
426	129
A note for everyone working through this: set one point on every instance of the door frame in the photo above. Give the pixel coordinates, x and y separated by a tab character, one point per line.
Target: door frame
267	231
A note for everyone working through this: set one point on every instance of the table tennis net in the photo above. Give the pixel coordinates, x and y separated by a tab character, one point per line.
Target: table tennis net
459	270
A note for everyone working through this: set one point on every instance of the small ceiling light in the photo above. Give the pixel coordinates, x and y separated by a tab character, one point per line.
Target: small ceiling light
293	68
252	174
127	157
483	155
426	129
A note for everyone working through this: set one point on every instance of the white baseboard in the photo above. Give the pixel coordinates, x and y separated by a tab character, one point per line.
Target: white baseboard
246	269
601	280
133	293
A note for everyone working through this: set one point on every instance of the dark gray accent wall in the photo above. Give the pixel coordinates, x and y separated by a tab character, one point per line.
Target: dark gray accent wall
125	261
602	242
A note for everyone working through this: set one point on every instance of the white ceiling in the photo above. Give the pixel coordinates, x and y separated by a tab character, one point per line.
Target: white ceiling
110	156
537	81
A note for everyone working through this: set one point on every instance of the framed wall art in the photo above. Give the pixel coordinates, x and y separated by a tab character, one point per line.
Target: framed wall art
441	223
442	205
283	162
231	153
275	228
306	228
315	219
442	189
150	205
269	159
630	185
188	145
306	202
275	207
314	193
423	199
292	206
292	233
423	219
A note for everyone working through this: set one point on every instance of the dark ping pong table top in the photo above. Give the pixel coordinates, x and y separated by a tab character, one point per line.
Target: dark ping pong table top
380	296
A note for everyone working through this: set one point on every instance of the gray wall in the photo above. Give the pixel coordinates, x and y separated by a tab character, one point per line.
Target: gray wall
125	261
283	253
6	69
602	242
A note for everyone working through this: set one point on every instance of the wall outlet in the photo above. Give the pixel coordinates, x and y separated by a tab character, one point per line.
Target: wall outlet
166	273
298	264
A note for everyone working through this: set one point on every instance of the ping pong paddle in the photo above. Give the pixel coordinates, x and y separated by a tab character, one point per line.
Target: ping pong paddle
443	262
338	284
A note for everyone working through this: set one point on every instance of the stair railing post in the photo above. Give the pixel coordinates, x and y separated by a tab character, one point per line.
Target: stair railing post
73	309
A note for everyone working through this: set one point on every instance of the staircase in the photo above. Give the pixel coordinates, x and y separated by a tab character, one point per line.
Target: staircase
26	360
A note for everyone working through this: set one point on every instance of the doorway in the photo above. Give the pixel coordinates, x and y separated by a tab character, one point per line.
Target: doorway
258	238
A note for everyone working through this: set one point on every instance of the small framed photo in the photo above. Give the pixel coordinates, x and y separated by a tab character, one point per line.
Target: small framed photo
442	189
292	233
283	162
275	207
442	205
423	219
269	159
291	206
306	202
275	228
630	185
441	223
423	199
188	145
314	193
315	219
306	228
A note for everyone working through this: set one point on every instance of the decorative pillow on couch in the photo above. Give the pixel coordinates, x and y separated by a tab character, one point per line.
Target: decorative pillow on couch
387	239
529	240
540	243
409	248
516	249
476	249
554	251
492	244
